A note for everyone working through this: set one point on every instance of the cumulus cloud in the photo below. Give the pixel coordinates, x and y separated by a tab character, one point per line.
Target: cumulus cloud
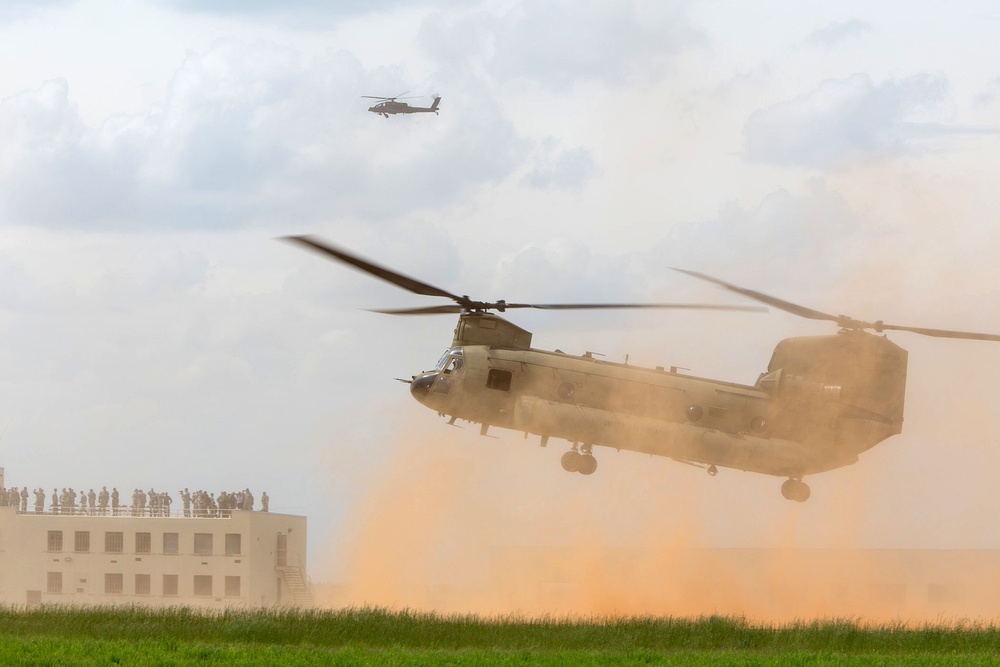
840	120
560	43
15	10
837	33
248	132
784	236
566	169
298	13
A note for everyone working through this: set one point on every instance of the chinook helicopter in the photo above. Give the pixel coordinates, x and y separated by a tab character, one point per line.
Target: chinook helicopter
822	401
391	106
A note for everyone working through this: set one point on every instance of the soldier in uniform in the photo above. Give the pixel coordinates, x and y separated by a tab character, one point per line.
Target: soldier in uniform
114	500
264	501
186	499
55	501
92	499
24	499
39	500
102	499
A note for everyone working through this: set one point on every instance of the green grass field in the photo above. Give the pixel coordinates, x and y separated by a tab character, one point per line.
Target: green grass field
140	636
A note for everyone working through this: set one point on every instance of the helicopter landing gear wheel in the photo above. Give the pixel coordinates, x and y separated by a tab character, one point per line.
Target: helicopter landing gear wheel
795	489
571	461
587	465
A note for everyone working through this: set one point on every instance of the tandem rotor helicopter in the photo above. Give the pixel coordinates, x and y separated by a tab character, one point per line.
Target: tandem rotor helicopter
822	401
390	106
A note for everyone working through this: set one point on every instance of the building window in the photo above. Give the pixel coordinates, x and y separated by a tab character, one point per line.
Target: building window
54	582
234	544
114	542
81	541
143	543
170	543
203	584
203	544
113	583
498	379
55	540
142	584
232	587
170	584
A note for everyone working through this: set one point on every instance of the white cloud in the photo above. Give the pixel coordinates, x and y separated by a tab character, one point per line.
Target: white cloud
567	169
841	120
560	43
835	34
248	131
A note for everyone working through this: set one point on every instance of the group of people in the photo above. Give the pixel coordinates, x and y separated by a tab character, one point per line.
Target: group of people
144	503
202	504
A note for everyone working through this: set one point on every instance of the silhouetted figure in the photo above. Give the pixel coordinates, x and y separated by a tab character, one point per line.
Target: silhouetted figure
264	502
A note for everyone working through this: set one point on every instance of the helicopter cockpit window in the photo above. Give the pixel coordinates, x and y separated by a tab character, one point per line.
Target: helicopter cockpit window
439	366
450	361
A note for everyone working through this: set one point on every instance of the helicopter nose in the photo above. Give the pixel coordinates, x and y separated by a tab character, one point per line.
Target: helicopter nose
421	385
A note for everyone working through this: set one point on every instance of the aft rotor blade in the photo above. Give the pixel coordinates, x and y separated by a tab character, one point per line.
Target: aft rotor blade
841	320
780	304
615	306
374	97
388	275
939	333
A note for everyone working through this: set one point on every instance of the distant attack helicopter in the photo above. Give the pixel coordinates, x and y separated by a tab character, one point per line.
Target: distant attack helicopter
822	401
391	106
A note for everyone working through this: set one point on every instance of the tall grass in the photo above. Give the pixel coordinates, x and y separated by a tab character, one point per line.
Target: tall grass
373	628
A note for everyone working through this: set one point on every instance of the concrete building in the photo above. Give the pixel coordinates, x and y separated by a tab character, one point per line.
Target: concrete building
246	558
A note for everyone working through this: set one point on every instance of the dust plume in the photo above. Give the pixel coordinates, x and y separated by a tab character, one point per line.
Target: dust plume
470	525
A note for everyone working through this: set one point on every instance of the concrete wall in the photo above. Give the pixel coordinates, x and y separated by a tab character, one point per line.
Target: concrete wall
31	568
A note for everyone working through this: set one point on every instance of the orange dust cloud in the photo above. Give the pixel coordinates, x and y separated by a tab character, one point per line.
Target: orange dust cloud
464	524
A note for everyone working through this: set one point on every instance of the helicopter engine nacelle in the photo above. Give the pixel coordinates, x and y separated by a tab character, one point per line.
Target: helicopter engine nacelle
781	384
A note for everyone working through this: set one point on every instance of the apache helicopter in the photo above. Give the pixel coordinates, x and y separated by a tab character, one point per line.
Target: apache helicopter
389	105
822	401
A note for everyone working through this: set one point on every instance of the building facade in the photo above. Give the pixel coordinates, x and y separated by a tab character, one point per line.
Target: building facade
237	558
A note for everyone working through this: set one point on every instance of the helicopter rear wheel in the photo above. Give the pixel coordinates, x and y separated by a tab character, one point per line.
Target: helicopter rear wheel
796	490
587	465
571	461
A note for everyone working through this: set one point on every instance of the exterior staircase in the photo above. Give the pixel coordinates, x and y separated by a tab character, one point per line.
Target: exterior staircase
292	573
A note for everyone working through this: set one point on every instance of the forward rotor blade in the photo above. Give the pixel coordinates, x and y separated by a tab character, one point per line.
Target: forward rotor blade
939	333
780	304
616	306
374	97
429	310
388	275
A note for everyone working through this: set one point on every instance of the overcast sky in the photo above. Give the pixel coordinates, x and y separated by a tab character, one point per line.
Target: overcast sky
839	155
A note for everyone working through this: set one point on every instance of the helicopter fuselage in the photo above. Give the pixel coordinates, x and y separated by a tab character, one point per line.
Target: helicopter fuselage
823	400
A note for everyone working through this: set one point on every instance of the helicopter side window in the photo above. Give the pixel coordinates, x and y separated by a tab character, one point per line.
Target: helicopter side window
454	366
498	379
